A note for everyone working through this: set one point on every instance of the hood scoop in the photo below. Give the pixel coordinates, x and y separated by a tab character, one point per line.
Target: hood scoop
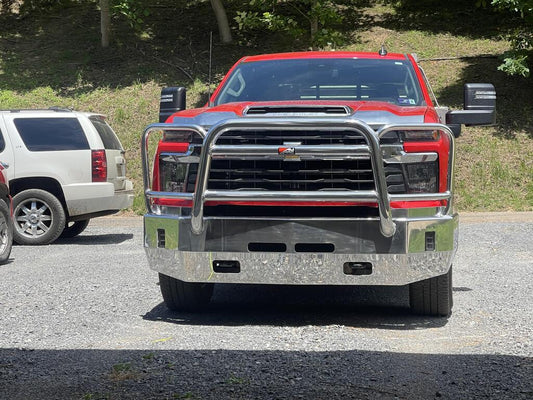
297	110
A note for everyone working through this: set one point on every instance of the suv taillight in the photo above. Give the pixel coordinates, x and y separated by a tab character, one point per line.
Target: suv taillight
99	165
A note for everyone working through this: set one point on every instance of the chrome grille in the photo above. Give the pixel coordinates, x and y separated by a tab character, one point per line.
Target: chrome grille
290	175
280	137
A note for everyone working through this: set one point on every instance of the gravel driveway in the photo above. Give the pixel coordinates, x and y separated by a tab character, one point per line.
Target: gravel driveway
84	319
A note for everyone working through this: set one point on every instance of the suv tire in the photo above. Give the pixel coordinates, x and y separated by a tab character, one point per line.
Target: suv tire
38	217
6	232
74	228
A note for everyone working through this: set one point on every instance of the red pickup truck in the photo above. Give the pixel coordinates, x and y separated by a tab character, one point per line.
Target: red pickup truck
312	168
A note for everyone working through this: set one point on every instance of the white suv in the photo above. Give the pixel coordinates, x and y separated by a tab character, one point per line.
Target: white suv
64	168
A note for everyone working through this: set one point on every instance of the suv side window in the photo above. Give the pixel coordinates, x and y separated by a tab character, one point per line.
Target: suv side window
2	142
47	134
107	135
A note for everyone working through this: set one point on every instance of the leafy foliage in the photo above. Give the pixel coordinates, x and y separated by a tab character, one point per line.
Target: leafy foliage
134	10
516	60
317	21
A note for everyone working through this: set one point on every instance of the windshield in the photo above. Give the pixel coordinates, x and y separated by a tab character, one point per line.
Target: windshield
351	79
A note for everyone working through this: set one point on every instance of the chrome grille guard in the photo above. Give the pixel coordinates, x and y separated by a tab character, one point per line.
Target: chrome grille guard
371	150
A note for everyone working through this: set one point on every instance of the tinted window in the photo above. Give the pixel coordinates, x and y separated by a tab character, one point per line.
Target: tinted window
349	79
2	142
107	135
46	134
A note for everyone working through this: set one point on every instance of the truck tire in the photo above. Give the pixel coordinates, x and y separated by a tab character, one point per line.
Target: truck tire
185	296
6	232
74	228
38	217
432	296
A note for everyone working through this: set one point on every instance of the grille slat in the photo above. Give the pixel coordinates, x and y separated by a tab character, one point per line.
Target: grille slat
278	138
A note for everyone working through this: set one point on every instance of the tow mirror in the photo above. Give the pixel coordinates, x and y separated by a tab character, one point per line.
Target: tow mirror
479	106
172	99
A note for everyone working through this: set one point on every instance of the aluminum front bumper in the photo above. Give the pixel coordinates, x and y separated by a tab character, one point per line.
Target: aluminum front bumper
398	260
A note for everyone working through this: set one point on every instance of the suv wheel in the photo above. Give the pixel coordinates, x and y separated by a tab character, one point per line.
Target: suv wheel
6	232
38	216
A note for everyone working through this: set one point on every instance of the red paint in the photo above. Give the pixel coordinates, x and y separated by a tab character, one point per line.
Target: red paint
394	204
238	108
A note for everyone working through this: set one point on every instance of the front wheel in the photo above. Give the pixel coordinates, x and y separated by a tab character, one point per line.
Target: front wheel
432	296
6	232
185	296
38	216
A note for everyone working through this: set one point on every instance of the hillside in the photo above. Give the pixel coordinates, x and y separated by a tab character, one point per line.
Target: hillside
53	57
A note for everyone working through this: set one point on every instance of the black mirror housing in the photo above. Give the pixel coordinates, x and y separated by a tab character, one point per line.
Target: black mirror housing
172	99
479	106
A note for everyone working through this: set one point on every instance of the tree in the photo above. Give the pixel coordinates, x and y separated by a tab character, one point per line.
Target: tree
222	21
105	22
316	20
516	60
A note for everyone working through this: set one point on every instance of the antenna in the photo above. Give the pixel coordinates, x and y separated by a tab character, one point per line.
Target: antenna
383	51
210	59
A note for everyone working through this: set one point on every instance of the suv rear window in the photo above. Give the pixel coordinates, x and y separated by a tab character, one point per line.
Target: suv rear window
51	134
107	135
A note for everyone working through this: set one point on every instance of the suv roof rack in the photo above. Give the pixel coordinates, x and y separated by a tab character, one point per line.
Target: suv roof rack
57	108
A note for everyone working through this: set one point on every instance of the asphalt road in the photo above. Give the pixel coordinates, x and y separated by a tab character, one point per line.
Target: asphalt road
84	319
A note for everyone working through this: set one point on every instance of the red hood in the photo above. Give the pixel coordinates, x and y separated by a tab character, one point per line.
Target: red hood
356	106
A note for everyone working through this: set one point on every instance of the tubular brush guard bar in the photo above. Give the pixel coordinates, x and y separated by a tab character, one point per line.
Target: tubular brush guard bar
371	150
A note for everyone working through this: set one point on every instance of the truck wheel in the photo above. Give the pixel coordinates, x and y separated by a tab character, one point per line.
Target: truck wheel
6	232
432	296
185	296
38	216
74	228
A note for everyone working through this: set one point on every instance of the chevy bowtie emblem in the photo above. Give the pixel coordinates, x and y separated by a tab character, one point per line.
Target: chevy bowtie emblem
286	151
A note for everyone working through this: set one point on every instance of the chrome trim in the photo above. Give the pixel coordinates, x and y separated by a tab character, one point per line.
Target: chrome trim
307	113
318	196
398	260
451	159
372	150
408	158
386	226
302	151
145	162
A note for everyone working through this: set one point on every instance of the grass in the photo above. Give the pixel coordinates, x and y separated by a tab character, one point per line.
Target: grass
54	58
122	372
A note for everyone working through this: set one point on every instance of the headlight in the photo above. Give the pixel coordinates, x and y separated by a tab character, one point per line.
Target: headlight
419	136
422	177
172	175
182	136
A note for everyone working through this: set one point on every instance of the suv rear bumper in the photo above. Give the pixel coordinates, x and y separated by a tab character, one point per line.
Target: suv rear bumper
93	198
420	248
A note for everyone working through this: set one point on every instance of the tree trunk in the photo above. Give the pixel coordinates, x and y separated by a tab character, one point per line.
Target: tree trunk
105	22
222	21
313	23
